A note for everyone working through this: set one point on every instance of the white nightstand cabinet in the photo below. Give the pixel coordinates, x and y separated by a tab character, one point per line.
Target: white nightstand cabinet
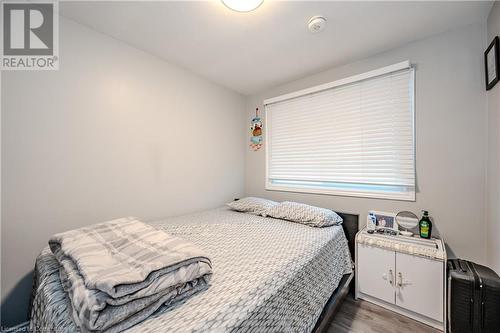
406	275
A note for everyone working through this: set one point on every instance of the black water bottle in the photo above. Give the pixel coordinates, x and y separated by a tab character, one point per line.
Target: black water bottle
425	226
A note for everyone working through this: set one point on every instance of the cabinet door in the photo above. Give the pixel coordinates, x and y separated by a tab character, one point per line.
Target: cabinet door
419	285
376	272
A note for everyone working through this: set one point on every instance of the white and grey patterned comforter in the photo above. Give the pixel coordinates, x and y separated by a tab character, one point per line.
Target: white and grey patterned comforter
269	275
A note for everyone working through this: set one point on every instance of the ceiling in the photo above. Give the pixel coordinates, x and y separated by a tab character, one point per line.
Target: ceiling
249	52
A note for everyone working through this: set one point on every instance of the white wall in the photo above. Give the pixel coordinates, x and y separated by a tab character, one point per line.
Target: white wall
451	137
493	197
114	132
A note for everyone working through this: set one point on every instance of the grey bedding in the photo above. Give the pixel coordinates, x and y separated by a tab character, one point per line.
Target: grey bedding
269	275
119	272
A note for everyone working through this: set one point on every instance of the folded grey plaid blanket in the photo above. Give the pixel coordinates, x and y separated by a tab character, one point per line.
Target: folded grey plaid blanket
118	273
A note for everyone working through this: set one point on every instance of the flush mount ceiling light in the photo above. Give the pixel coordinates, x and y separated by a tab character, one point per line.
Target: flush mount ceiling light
242	5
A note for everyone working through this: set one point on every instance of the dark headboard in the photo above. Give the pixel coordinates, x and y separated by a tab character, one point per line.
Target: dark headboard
351	227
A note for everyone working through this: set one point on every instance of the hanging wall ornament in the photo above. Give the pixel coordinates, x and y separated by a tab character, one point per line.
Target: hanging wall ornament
256	132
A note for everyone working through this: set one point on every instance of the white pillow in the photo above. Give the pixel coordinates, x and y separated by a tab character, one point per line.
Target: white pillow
305	214
252	205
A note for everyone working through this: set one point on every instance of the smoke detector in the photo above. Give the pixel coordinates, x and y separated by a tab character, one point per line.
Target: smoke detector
316	24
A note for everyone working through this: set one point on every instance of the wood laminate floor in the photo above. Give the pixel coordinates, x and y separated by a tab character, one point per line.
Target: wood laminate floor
364	317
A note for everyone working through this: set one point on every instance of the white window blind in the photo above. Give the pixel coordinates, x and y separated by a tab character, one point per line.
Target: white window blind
353	138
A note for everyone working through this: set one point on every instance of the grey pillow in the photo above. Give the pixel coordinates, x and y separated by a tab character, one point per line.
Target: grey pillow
305	214
252	205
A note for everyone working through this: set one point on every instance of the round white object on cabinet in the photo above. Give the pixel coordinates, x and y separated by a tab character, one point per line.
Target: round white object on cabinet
406	220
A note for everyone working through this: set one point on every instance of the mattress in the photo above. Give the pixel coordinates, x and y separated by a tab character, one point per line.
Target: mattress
269	275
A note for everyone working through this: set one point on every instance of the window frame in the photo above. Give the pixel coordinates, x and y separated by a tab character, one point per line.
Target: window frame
405	194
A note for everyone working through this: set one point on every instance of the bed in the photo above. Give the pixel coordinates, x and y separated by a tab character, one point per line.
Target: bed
262	278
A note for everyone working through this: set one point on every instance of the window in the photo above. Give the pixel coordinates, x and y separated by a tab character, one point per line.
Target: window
351	137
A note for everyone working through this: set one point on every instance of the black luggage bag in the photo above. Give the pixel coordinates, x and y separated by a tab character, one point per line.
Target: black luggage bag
473	298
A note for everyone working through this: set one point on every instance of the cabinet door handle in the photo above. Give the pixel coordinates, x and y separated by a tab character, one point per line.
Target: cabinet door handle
400	279
391	277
